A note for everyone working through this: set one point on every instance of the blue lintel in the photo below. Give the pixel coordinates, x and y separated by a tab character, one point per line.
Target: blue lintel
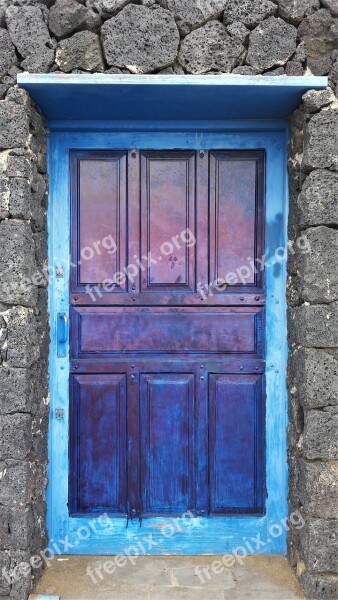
107	97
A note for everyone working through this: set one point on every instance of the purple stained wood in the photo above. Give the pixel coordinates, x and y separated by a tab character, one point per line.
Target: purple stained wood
167	330
167	387
98	451
168	210
236	443
100	204
235	216
167	442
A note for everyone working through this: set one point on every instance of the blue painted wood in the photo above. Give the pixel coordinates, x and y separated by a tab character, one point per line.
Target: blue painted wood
167	443
120	97
237	442
98	425
215	534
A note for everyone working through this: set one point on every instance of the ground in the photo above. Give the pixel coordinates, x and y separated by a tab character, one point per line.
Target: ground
161	578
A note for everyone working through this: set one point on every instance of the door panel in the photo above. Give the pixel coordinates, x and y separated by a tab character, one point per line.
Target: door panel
167	383
167	432
167	210
99	210
236	443
113	330
236	217
98	443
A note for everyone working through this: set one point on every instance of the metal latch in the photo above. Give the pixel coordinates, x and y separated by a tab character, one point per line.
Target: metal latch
62	334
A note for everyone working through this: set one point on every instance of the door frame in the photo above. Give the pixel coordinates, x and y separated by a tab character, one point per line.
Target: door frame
212	535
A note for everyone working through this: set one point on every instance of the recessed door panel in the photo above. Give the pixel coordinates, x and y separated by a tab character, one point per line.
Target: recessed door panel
167	442
159	330
168	220
98	443
236	413
99	205
236	190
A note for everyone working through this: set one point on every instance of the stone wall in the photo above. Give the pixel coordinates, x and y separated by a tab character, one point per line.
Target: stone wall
313	335
23	338
248	37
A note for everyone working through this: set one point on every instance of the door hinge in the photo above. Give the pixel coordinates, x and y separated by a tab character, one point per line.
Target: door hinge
59	413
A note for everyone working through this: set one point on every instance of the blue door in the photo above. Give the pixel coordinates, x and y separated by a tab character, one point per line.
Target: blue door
165	373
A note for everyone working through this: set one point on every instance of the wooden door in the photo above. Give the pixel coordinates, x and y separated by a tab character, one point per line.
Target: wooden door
167	302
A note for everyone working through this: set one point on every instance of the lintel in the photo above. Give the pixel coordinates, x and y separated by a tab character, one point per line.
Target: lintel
107	97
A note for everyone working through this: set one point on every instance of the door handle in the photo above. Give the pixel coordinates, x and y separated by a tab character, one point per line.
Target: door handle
62	334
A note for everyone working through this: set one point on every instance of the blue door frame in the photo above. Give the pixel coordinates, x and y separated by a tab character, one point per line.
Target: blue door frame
212	535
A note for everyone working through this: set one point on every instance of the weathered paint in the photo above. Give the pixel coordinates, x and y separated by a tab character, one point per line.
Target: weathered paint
215	534
198	215
121	97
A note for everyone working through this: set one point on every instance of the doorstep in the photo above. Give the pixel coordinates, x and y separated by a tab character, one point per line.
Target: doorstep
256	577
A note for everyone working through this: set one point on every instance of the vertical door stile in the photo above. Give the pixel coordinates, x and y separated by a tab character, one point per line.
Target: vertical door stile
133	425
133	212
201	370
133	406
202	221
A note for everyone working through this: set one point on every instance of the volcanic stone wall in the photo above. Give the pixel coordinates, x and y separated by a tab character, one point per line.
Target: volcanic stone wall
247	37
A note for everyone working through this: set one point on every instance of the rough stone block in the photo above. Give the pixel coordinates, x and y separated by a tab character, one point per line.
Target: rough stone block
320	545
190	14
140	39
314	326
318	488
239	31
20	198
68	16
14	166
332	5
244	70
4	197
318	199
3	7
22	337
5	586
14	125
15	435
318	268
293	69
109	8
320	440
22	586
314	100
319	587
16	483
321	141
295	10
81	51
210	48
7	52
39	62
317	31
15	390
16	527
315	375
17	263
27	29
271	44
248	12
